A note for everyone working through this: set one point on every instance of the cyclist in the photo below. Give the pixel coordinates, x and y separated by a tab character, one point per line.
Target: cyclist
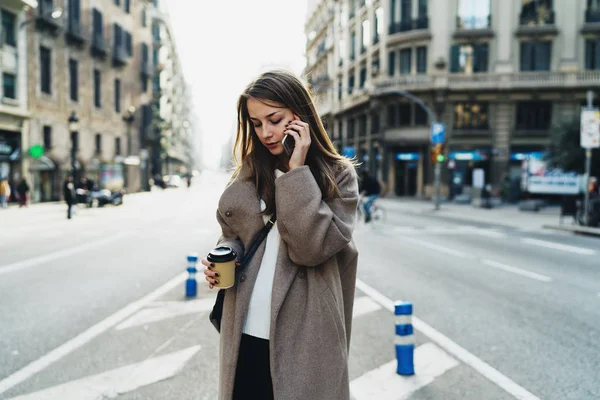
370	188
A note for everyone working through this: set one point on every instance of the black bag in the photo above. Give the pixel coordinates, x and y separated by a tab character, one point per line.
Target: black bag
217	311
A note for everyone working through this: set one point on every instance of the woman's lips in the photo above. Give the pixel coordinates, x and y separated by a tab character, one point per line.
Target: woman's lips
272	145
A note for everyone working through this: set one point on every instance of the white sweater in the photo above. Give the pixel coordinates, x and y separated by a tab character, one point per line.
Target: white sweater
258	319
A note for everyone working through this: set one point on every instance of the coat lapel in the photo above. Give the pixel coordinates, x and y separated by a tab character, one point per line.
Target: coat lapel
284	276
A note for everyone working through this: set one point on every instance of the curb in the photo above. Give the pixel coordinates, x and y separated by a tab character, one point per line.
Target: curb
575	229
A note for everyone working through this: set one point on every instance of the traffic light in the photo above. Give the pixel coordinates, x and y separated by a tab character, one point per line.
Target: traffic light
438	153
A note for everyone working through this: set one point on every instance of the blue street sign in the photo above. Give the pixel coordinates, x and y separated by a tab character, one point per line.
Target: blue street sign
438	133
349	151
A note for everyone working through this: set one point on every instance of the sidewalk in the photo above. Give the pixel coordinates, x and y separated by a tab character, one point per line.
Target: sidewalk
507	215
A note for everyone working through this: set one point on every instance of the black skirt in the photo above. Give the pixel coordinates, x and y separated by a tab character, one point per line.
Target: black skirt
253	372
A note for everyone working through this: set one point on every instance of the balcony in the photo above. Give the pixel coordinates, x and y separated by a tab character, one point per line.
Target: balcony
592	21
98	48
119	56
493	82
45	22
409	30
536	24
75	34
473	27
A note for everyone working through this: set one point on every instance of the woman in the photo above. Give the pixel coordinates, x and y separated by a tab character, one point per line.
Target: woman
285	331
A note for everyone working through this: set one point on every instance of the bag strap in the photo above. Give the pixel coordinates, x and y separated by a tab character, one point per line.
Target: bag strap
258	240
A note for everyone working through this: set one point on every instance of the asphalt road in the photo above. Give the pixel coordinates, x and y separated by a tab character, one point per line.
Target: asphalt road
524	304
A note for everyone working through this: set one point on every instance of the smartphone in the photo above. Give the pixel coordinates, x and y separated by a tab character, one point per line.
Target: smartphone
288	143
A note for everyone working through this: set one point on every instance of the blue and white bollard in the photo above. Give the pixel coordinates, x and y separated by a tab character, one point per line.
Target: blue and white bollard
191	286
405	340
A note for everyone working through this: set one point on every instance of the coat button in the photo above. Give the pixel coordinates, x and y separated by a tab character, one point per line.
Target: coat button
302	274
228	213
243	278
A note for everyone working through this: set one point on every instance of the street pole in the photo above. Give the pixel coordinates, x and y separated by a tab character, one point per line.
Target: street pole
588	166
437	174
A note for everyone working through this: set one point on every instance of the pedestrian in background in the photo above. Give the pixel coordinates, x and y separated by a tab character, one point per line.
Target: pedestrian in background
23	192
4	192
285	330
69	195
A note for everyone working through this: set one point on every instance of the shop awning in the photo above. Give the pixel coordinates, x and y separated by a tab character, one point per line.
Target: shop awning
42	164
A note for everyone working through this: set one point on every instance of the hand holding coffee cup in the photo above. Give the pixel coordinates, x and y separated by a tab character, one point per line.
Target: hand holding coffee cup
220	266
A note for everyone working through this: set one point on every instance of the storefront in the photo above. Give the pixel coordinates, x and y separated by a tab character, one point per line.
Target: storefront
10	157
406	179
46	182
462	164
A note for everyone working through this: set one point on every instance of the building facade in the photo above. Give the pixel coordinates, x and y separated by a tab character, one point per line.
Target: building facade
497	73
14	115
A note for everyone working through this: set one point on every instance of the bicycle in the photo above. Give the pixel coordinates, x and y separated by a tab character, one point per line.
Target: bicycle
378	213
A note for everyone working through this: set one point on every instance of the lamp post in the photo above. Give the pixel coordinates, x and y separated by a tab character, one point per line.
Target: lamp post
74	131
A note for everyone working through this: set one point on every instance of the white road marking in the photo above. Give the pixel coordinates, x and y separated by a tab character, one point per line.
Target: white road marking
514	270
43	362
451	347
384	383
559	246
40	260
490	233
364	305
439	248
163	310
111	384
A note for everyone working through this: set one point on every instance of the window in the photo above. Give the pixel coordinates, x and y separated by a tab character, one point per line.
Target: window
8	28
366	35
362	126
391	63
471	116
469	58
393	8
536	12
421	117
45	70
391	115
342	50
98	142
74	15
534	115
421	60
405	61
145	64
118	36
363	77
9	86
353	46
97	89
340	130
98	25
47	137
405	10
423	11
144	18
117	95
128	43
404	114
340	90
592	54
117	2
73	80
127	6
536	56
351	83
117	146
473	14
378	29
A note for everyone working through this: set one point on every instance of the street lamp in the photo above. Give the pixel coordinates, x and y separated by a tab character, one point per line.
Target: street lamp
74	130
54	14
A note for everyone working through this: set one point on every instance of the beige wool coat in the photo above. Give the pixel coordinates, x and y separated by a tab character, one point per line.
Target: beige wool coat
313	288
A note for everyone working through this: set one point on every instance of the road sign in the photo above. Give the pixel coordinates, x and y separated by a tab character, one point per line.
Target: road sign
590	128
438	133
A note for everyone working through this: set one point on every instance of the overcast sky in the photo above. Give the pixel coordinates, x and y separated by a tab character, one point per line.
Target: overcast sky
223	45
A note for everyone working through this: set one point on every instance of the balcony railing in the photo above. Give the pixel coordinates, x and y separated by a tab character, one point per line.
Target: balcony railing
45	22
493	81
592	16
146	69
537	18
473	22
409	25
98	45
119	56
75	33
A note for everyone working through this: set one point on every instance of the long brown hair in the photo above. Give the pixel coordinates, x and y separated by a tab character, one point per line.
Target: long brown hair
280	88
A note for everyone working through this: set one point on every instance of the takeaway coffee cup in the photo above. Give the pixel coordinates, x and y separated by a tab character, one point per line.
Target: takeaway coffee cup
224	260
